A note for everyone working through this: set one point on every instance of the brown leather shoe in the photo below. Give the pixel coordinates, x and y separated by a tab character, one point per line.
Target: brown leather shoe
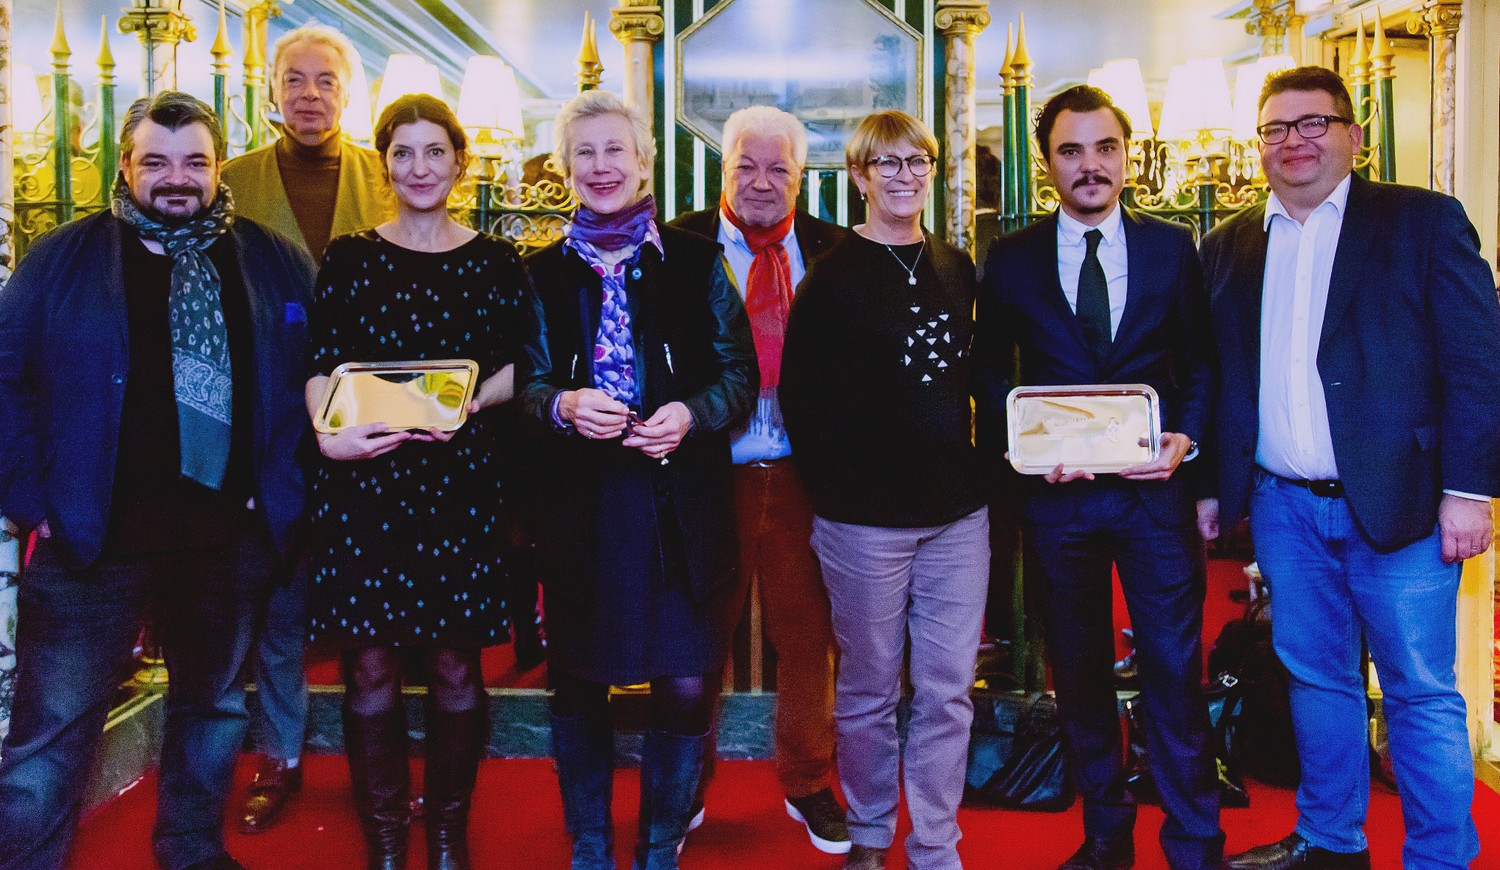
864	858
272	787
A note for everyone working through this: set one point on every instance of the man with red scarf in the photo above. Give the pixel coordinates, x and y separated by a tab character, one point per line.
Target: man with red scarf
769	244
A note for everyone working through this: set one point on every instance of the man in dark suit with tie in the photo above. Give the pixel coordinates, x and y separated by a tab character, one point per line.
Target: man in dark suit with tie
769	243
1358	424
1098	294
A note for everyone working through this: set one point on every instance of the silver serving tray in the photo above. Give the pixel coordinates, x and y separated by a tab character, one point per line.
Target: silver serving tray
417	394
1102	428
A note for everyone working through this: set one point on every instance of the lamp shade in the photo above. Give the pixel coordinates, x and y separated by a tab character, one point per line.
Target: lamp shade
1248	81
407	74
1197	100
25	99
489	98
1121	79
358	122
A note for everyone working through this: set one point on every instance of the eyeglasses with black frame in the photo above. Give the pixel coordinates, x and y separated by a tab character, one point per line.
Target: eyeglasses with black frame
889	165
1308	127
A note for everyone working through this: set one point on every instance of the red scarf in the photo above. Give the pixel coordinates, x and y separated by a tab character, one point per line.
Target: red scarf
768	290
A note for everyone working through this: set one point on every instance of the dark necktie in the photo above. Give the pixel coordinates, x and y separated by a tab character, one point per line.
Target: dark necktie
1093	298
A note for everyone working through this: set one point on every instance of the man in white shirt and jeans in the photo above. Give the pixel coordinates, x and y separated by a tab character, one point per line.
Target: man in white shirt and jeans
1358	425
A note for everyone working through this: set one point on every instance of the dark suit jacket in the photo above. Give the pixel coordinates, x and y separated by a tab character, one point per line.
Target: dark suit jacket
1409	358
813	236
63	367
1162	340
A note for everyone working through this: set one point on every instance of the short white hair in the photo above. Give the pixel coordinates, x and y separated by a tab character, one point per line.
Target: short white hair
770	122
592	104
315	34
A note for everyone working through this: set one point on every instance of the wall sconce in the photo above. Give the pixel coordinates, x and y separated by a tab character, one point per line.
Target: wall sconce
359	120
407	74
1121	79
1197	120
489	107
1248	80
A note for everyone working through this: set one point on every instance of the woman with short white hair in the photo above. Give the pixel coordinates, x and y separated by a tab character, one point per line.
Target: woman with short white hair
642	363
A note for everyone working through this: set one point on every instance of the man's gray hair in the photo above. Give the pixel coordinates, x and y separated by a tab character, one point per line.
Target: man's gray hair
314	34
770	122
173	110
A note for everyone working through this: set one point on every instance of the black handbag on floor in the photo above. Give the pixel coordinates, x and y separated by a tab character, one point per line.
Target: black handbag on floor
1016	755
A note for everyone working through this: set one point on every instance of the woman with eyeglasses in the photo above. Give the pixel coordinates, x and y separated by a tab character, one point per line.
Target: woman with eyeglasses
875	394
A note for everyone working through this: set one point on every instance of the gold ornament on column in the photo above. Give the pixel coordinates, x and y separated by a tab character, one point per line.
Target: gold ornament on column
959	21
639	25
1439	20
160	27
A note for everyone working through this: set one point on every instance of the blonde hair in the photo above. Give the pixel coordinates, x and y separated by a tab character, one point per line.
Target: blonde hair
770	122
882	130
592	104
314	34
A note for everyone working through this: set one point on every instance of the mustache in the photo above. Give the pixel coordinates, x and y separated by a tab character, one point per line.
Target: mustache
1091	178
177	190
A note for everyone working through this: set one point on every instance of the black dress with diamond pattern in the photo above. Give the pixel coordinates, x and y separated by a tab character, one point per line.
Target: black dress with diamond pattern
407	546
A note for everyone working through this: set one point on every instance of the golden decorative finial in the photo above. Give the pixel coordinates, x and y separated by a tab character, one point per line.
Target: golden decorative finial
589	68
1010	50
587	53
1359	59
1020	62
220	49
106	61
1382	52
60	50
253	57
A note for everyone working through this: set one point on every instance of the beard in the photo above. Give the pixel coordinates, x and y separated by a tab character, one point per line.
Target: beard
169	190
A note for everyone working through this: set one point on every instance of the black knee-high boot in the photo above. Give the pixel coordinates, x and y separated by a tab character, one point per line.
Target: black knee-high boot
584	749
670	767
455	742
377	750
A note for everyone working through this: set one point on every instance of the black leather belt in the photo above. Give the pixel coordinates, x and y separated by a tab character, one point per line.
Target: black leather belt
1324	488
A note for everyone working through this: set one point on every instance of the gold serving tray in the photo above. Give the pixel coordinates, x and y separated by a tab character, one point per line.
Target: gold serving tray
1098	428
419	394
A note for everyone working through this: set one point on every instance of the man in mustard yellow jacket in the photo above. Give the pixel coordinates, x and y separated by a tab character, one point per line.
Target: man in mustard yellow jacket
310	186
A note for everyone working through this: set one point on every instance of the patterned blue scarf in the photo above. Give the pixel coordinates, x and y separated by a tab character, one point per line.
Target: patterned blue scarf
201	374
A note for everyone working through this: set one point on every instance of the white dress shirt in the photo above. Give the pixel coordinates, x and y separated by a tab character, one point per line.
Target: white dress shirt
1295	439
1294	436
763	437
1071	249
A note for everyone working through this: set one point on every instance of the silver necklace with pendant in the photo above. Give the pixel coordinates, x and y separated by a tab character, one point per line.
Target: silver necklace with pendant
911	273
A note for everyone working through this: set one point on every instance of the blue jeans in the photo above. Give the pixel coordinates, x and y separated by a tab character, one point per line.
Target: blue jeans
1329	586
75	631
280	678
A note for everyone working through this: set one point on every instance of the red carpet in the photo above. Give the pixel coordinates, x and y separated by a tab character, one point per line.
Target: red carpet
517	823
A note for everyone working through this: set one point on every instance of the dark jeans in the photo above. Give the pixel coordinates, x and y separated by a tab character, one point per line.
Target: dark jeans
75	631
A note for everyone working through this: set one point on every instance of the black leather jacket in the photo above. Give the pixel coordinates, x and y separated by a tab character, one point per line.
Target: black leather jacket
692	345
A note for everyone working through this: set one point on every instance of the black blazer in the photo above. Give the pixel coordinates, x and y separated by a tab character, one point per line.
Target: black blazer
63	365
1409	357
814	236
1162	340
692	345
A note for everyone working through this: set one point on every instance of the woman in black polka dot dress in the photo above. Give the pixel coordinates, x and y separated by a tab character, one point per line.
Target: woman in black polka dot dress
408	543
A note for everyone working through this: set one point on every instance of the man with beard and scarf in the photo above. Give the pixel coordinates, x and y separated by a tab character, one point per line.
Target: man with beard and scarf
1100	294
152	359
769	244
